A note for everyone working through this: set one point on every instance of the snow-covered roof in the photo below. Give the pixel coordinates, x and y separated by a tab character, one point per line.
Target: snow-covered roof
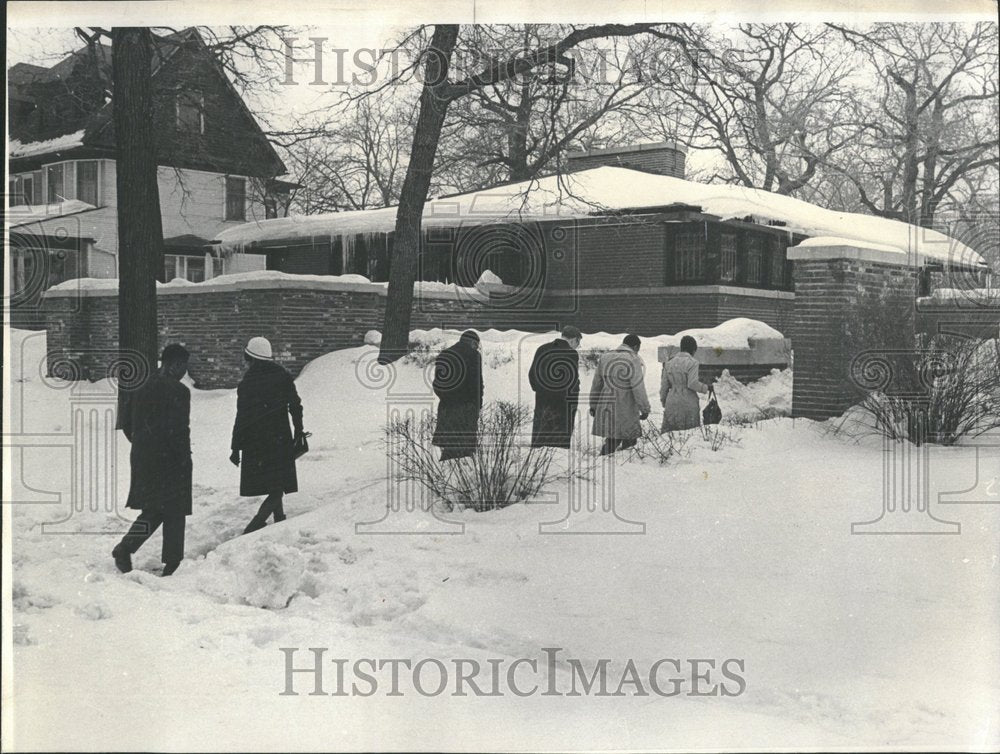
25	215
609	189
32	148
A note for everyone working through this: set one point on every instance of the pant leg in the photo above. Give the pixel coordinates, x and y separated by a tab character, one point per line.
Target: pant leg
173	538
141	530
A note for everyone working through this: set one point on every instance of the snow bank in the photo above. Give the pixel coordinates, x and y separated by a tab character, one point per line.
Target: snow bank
731	334
262	573
608	189
18	148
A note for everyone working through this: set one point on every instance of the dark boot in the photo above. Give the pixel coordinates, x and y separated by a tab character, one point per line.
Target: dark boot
256	524
123	558
279	511
169	568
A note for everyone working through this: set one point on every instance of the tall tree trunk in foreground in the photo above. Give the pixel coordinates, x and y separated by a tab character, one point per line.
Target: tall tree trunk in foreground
140	230
413	196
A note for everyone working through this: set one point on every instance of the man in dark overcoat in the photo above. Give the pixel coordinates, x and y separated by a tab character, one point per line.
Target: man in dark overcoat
458	383
555	377
156	420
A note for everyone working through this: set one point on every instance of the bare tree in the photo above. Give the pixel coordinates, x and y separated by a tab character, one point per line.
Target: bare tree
519	128
934	121
355	159
770	99
437	93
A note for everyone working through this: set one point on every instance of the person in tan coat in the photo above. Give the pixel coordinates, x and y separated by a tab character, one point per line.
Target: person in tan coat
679	388
618	400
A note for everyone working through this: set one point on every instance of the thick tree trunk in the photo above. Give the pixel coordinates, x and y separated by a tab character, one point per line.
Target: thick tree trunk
413	196
140	232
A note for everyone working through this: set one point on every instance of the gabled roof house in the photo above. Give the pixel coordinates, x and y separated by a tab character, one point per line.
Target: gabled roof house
217	168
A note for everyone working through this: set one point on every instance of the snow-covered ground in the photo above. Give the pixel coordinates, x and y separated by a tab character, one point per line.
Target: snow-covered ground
747	554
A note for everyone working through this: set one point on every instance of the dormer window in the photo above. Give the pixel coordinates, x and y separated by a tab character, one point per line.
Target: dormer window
190	108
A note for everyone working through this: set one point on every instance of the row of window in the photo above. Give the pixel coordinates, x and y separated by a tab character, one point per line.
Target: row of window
80	179
193	268
762	262
56	183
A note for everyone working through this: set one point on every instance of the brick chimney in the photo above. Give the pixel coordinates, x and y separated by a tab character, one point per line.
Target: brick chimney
663	158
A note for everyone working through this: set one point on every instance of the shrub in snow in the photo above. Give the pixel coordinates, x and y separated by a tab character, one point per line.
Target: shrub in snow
254	572
947	391
718	437
373	338
590	358
423	352
660	447
501	472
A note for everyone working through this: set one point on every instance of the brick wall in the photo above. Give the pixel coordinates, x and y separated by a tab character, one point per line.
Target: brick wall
664	159
970	316
666	311
301	323
306	321
842	308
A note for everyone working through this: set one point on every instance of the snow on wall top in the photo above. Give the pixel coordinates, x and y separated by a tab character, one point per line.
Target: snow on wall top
607	189
24	215
31	148
265	279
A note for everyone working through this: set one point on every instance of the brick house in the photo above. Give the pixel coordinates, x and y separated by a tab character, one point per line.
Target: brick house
619	242
216	168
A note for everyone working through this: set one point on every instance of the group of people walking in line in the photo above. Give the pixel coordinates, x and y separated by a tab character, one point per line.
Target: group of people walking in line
618	399
156	421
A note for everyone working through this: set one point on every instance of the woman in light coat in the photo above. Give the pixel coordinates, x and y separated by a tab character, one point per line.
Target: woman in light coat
679	388
618	400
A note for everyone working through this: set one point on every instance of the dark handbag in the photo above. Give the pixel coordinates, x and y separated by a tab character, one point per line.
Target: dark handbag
711	414
300	445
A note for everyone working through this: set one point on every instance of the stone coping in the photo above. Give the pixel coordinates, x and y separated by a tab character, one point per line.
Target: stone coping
758	352
853	253
633	149
676	290
289	285
381	290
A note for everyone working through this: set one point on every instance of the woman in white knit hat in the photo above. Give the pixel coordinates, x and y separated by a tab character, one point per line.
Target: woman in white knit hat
266	396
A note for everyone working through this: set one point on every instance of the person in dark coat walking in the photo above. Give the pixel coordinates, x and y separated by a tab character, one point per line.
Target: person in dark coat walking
156	420
265	398
458	383
555	377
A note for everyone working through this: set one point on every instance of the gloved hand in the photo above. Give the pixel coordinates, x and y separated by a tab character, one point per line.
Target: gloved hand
234	458
593	411
643	415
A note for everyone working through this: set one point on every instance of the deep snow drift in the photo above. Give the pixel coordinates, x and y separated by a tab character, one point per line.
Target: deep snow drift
746	553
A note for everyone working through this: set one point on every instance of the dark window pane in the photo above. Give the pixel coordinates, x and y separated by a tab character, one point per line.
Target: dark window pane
754	260
196	269
727	257
689	255
189	113
236	198
56	192
86	182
